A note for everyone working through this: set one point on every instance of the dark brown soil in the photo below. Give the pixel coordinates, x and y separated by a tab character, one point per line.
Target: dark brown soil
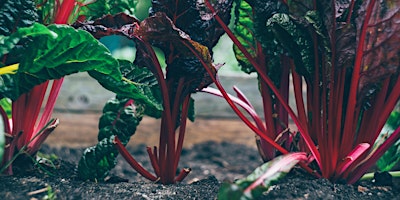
212	162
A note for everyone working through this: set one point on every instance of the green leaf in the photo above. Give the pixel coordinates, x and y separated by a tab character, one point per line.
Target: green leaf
261	179
49	58
252	33
6	105
99	8
98	160
295	39
244	31
36	30
120	118
390	158
16	14
147	87
394	119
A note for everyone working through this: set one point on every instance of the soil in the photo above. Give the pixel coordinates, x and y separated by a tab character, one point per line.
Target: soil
216	150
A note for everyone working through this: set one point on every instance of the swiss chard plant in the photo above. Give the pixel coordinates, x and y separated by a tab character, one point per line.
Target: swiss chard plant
184	31
344	55
35	48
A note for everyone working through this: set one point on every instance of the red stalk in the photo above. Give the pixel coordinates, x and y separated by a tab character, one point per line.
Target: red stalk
352	100
248	108
135	165
352	157
182	175
46	116
390	103
335	118
268	81
368	128
351	8
182	129
51	102
28	109
172	160
34	145
298	92
242	97
153	161
371	160
268	151
65	11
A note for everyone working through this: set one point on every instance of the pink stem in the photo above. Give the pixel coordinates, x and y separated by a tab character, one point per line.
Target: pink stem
349	130
65	11
268	81
135	165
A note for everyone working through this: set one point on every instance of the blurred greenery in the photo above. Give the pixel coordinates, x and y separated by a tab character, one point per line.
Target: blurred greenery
392	156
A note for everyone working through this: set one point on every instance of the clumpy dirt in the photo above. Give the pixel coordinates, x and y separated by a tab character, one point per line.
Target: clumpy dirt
230	155
211	163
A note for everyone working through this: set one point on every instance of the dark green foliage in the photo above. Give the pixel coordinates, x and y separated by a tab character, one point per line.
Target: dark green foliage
98	160
394	119
390	158
103	7
268	24
16	14
195	18
120	118
296	40
146	84
244	31
67	51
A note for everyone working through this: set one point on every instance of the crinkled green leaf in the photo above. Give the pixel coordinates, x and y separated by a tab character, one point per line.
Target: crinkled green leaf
98	160
36	30
120	118
142	90
251	31
267	174
296	39
244	31
71	51
146	85
16	14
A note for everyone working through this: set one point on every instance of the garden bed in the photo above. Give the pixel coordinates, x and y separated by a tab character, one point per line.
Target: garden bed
229	156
